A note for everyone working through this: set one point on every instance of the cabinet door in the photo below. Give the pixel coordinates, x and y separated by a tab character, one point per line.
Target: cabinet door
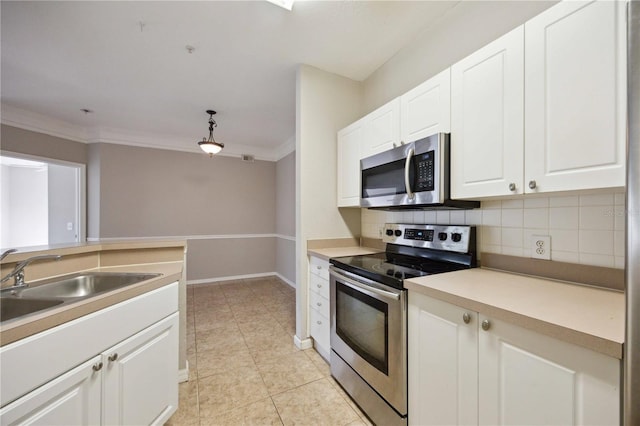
575	94
141	376
443	370
71	399
382	129
487	120
426	109
349	143
320	331
528	378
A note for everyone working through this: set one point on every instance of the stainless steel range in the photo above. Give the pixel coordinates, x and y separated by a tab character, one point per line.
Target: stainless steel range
369	311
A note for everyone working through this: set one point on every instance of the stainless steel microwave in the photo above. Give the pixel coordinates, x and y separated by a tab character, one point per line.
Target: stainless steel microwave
411	176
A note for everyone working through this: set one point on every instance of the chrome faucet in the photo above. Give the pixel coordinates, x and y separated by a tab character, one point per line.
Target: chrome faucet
18	272
7	253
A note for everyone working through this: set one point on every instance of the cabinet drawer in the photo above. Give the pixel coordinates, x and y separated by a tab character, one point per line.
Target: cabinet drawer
319	303
319	267
320	329
319	285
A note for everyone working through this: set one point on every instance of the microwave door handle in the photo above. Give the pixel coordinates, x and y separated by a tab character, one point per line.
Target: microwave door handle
407	184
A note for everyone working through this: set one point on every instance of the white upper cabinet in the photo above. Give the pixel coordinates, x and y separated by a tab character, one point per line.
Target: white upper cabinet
349	143
487	119
542	109
426	109
575	92
382	129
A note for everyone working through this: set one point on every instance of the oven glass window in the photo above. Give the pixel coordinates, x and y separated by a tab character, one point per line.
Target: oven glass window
362	323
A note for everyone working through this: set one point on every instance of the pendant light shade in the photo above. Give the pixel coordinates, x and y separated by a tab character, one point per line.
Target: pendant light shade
210	146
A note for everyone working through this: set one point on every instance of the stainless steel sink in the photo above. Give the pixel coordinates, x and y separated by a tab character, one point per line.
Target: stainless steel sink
20	302
84	285
13	307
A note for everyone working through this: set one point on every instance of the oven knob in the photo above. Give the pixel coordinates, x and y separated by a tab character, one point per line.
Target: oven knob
456	237
398	232
389	232
398	275
442	236
390	272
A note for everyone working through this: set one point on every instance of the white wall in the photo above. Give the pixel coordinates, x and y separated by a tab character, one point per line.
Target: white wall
63	207
325	103
25	206
463	30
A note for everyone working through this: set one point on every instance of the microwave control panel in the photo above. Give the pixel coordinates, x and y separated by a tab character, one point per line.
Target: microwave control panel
425	171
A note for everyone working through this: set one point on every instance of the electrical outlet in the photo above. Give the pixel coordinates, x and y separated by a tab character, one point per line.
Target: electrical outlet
541	247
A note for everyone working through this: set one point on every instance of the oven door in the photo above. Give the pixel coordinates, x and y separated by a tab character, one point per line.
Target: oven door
369	332
410	175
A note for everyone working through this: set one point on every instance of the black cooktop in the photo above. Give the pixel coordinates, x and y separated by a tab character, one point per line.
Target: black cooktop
392	268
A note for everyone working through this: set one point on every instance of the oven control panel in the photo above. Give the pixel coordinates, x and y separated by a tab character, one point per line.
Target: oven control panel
456	238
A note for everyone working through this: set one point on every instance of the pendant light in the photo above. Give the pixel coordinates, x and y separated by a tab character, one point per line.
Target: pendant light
210	146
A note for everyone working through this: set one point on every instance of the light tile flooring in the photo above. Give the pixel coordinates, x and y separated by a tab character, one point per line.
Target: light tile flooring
244	367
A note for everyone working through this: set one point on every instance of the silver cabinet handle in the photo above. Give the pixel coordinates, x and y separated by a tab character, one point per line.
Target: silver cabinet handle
486	325
97	366
113	357
532	184
512	186
407	184
466	318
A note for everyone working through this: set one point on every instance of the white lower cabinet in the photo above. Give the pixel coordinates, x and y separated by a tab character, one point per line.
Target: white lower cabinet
131	382
319	313
467	368
71	399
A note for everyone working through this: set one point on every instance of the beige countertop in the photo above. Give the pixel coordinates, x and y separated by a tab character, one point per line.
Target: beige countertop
586	316
141	252
327	253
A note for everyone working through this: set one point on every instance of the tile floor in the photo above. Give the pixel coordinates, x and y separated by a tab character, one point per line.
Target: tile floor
244	367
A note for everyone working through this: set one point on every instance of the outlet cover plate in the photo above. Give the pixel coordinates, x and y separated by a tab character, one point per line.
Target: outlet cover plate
541	247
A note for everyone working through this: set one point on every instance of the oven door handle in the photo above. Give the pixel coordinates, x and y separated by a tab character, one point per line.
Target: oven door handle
349	282
407	184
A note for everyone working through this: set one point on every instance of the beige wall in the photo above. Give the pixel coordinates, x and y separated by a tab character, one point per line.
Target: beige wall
27	142
160	193
286	218
325	103
464	29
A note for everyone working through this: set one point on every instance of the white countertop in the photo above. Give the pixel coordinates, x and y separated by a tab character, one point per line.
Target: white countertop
327	253
587	316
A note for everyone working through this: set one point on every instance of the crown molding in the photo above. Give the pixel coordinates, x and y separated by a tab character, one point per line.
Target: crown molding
28	120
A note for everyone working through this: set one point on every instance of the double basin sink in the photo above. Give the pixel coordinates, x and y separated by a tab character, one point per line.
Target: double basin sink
18	303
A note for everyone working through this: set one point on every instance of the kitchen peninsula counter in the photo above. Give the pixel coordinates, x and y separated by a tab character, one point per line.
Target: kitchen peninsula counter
586	316
163	257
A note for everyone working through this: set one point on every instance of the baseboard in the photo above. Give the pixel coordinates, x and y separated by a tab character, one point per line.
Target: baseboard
240	277
183	374
303	344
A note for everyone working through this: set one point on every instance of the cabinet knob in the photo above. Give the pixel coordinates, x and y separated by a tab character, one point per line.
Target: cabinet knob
466	318
486	325
512	186
395	145
319	322
401	142
113	357
319	285
319	304
319	267
532	184
97	366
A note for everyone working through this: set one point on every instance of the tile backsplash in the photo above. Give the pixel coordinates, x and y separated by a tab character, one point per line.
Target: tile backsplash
587	229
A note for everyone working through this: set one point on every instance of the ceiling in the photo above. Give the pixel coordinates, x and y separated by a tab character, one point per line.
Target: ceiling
128	62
